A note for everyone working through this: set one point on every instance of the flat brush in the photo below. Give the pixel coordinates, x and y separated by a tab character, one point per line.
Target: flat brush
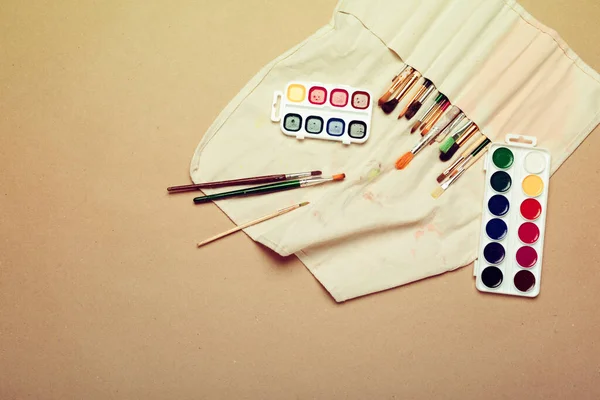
450	140
454	148
439	99
391	105
414	108
396	82
434	118
243	181
459	172
275	187
417	95
252	223
460	159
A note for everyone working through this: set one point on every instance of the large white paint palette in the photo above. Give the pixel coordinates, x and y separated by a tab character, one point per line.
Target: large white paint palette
514	218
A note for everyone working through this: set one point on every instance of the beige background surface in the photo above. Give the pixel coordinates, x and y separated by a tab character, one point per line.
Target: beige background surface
103	295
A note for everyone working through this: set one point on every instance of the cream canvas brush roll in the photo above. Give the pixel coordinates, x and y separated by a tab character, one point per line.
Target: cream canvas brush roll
506	70
380	228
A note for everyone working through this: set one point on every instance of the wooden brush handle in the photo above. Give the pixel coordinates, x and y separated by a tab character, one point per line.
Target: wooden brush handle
233	182
474	146
467	135
412	100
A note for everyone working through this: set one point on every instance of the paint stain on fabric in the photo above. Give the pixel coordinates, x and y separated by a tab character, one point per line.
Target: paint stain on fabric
369	196
413	252
318	217
433	228
428	229
373	173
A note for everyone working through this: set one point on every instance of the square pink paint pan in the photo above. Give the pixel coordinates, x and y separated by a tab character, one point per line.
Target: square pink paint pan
324	111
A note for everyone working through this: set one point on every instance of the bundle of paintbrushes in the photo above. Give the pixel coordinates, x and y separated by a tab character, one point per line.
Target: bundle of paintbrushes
273	183
441	122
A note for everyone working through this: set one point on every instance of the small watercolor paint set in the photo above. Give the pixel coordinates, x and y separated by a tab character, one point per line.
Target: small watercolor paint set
321	111
514	218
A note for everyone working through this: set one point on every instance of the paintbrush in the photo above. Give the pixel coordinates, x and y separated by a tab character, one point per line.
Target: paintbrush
450	128
417	95
444	122
450	140
414	108
275	187
460	159
438	100
243	181
396	82
459	143
252	223
435	118
391	105
461	170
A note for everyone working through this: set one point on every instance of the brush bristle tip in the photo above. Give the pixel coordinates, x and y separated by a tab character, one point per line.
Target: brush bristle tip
450	153
390	106
447	144
404	160
339	177
437	193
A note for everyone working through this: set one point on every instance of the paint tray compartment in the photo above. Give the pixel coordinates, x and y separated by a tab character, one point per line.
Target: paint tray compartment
514	218
324	111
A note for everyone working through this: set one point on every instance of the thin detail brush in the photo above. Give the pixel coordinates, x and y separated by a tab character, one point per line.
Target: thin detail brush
252	223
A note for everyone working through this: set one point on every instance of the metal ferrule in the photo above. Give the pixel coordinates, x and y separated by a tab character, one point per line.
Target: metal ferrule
313	182
429	111
425	95
450	181
464	128
298	175
446	120
450	168
423	143
455	123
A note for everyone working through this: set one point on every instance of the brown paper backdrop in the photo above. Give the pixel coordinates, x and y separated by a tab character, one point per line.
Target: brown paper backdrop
103	295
